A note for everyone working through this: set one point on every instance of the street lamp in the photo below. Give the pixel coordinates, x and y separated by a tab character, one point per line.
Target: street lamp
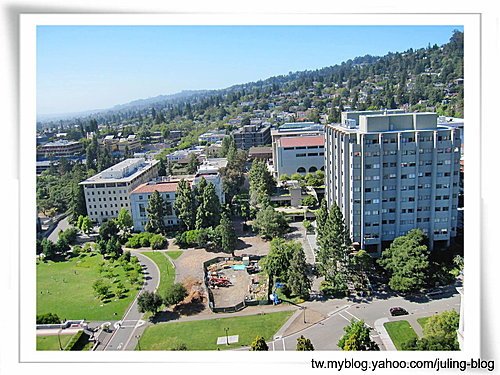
227	337
138	337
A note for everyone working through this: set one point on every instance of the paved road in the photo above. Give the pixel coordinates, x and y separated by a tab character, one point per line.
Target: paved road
61	225
125	330
326	334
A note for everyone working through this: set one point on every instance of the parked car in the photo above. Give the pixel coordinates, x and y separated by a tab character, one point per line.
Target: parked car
395	311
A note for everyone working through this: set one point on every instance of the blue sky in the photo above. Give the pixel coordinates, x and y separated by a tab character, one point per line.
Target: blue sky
95	67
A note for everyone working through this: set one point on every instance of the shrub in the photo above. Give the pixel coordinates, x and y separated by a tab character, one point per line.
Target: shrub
158	242
48	318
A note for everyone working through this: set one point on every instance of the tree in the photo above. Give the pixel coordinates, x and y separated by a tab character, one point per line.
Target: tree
108	230
277	263
184	205
193	163
156	213
84	224
149	302
77	205
443	325
227	234
334	245
208	210
357	338
261	183
298	281
233	175
259	344
102	289
304	344
309	201
440	333
48	248
174	294
270	223
162	169
124	221
407	262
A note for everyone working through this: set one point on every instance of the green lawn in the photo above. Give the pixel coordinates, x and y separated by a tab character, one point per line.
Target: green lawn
167	271
400	332
202	335
51	342
174	254
423	321
65	288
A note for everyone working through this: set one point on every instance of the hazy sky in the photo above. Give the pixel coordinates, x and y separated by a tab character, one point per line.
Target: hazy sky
93	67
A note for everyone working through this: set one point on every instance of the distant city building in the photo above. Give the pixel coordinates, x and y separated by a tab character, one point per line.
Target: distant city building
212	136
390	173
263	152
292	129
251	136
121	144
304	154
108	191
59	149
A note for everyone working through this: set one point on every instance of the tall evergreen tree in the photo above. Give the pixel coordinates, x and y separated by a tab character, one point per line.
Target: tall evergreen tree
261	183
77	204
156	214
298	281
227	234
184	206
334	246
208	210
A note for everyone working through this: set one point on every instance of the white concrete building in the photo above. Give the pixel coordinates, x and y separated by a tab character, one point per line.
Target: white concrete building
302	155
108	191
139	202
390	173
292	129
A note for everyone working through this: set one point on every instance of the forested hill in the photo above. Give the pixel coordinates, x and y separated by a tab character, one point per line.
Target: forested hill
418	80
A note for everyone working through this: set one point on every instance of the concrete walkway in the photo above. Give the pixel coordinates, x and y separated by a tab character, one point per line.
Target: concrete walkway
384	336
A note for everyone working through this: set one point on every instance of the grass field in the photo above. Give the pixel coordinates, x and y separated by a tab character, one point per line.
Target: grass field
400	332
167	271
51	342
65	288
202	335
423	321
174	254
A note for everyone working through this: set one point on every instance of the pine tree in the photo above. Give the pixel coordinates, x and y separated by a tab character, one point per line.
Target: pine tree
162	170
156	214
208	210
357	338
261	183
298	281
334	245
259	344
227	234
184	206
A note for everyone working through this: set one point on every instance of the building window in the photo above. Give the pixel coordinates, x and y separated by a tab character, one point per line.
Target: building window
301	169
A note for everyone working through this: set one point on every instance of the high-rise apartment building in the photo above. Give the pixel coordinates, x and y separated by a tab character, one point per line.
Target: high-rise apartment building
393	172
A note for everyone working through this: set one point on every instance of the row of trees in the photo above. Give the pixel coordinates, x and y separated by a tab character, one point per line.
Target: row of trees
152	301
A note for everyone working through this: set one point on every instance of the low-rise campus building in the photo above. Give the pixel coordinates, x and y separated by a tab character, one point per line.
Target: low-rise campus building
108	191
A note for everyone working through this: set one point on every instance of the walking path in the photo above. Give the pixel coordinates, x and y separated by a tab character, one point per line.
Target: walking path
384	336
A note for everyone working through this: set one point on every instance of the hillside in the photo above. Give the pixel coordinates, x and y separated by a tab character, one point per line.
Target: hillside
418	80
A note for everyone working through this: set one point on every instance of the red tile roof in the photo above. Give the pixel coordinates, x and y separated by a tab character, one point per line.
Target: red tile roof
317	140
160	187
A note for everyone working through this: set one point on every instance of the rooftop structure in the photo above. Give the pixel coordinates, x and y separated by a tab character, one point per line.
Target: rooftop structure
300	154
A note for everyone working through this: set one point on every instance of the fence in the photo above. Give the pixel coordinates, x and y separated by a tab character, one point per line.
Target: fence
242	304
